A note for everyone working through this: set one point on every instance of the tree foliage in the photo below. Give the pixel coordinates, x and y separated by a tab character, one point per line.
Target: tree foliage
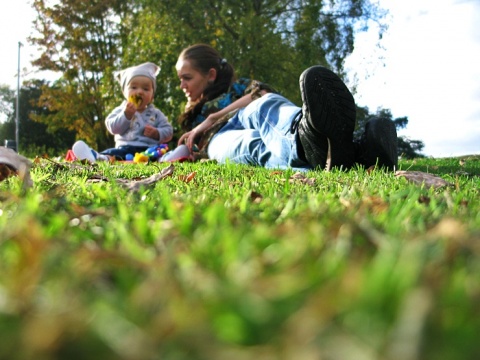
272	41
34	138
7	106
7	98
410	149
82	40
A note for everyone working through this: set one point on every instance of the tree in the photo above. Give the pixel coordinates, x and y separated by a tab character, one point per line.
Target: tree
269	40
407	148
7	101
7	115
410	149
35	138
82	40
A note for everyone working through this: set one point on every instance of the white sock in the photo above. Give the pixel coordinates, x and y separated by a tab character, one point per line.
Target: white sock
101	157
83	152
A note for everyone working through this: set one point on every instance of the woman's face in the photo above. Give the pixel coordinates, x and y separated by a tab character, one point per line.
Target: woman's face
193	82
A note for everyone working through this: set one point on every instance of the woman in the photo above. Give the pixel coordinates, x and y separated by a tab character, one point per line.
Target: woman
248	122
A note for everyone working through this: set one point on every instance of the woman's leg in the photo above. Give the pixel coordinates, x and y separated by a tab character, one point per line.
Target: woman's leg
272	115
260	135
237	145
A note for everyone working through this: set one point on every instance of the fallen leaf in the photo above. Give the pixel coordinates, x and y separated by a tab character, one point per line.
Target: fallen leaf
187	178
190	177
96	178
370	169
375	204
299	177
134	185
20	164
449	228
464	203
6	171
424	200
256	197
421	178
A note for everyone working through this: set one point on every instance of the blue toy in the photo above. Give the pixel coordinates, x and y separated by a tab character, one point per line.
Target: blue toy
157	151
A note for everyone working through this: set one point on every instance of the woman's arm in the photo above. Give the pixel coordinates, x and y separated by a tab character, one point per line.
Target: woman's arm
189	137
237	104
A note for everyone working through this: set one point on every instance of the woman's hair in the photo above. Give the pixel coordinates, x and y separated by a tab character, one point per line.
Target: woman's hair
203	57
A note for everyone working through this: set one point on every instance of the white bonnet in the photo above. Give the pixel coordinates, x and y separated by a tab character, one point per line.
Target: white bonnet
147	69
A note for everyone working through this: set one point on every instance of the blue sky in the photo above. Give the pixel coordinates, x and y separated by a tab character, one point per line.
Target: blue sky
426	68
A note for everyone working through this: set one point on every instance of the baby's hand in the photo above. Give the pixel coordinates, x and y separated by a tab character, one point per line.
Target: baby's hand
151	132
129	110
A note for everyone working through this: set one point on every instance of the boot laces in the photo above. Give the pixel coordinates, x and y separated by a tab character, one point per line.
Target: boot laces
296	122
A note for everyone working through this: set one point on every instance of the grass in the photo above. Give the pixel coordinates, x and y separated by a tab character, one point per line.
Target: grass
236	262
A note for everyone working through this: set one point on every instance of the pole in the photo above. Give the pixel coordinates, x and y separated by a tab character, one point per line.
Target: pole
17	143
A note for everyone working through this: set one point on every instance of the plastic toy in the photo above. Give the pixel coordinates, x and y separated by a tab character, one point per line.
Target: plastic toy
151	154
135	100
70	156
156	152
140	158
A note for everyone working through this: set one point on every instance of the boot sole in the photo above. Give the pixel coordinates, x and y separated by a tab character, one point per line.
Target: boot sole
335	119
382	144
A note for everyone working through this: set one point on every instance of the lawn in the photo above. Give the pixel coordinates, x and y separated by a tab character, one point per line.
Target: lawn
209	261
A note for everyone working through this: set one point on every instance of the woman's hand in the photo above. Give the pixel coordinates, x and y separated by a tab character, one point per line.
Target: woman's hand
151	132
189	137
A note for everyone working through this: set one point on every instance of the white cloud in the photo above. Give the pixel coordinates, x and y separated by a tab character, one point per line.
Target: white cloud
430	74
16	25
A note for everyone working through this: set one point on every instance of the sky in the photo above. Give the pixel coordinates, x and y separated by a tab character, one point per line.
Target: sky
426	68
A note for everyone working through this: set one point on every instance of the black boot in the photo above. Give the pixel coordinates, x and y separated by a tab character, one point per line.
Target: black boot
325	129
378	145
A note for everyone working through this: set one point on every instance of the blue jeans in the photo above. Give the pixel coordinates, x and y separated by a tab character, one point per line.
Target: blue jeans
259	134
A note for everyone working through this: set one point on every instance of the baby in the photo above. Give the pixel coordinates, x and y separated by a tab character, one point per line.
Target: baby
136	124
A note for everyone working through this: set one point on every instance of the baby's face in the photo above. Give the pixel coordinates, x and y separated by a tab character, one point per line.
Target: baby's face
140	92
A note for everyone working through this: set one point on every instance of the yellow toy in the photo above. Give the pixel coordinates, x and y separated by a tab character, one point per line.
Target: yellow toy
135	100
140	158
